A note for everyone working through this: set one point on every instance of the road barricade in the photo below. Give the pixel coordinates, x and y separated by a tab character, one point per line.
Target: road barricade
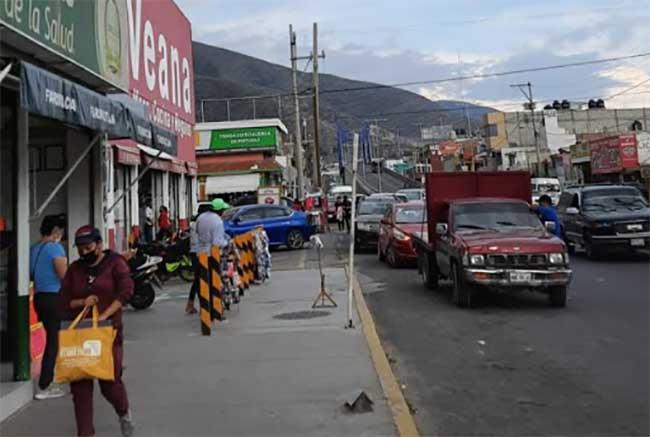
247	259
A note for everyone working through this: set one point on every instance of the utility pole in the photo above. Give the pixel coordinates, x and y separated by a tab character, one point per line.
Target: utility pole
531	106
296	103
315	55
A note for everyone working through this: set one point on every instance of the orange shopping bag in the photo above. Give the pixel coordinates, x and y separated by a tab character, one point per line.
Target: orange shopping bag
37	338
85	353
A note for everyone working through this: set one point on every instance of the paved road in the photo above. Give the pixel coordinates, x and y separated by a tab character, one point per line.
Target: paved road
515	366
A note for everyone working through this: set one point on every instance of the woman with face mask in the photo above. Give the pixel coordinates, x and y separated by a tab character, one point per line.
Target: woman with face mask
103	278
48	264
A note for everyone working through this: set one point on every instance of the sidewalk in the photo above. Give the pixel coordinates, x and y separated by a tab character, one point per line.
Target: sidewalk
257	375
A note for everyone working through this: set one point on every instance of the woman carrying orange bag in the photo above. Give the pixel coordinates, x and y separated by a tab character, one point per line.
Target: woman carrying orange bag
99	278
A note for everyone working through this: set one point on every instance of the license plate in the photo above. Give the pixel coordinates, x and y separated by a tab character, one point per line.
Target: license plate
638	242
519	277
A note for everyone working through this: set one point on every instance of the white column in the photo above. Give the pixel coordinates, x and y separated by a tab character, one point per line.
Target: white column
22	205
182	200
135	201
110	189
165	190
100	180
194	190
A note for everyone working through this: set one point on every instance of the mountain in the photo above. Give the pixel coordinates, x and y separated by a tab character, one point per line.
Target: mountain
221	73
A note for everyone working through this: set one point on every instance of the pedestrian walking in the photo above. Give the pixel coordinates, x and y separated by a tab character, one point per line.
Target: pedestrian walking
48	265
547	213
148	222
164	224
100	277
194	250
347	212
340	213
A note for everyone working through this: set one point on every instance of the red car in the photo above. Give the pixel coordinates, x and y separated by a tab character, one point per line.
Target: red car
401	221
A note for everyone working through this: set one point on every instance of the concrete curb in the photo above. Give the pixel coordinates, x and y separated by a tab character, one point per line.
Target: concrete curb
401	412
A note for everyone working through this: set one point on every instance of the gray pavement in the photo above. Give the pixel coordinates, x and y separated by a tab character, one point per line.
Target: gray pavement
257	375
515	366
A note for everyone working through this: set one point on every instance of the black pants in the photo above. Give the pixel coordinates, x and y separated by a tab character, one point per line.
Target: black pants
49	312
347	223
197	270
341	224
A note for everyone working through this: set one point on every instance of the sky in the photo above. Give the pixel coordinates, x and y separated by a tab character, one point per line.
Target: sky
392	42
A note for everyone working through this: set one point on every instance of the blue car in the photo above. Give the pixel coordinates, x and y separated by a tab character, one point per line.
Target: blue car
284	226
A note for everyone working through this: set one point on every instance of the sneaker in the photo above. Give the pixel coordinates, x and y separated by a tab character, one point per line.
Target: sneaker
126	425
52	392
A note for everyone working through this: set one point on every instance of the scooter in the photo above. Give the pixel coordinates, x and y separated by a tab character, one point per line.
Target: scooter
143	273
175	258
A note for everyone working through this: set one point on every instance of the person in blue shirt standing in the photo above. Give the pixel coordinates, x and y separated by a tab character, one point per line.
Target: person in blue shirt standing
547	213
48	264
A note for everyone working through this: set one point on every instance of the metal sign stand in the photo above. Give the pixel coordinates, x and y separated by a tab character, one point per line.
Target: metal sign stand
323	294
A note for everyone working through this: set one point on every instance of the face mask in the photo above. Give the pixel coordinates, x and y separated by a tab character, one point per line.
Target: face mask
89	258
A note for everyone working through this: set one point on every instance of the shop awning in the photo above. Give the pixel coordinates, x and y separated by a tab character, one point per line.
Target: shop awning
232	183
52	96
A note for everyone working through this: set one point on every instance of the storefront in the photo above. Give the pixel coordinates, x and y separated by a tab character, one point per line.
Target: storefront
61	134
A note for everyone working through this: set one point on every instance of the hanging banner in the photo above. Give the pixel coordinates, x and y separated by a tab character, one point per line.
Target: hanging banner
52	96
49	95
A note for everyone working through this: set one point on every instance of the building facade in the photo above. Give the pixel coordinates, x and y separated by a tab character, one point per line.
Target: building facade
236	158
87	116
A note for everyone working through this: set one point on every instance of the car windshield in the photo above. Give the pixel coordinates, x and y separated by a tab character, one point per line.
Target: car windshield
613	199
229	213
411	195
410	215
373	208
547	188
494	216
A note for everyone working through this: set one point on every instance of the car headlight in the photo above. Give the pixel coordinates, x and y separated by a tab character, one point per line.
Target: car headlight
476	260
399	235
363	226
556	258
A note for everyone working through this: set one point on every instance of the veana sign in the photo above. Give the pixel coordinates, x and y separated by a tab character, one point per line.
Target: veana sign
160	59
243	138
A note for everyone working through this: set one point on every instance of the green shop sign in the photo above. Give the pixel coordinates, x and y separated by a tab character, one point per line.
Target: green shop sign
244	138
90	33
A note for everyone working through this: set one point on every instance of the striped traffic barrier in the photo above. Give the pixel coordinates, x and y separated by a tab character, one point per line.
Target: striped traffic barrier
216	284
205	311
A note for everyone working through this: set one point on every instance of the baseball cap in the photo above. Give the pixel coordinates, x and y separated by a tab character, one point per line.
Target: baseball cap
219	204
86	235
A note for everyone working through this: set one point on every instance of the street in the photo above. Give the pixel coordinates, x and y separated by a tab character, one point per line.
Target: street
514	365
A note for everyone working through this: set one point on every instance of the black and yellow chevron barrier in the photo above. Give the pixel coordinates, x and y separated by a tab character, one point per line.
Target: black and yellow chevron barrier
247	260
205	312
216	284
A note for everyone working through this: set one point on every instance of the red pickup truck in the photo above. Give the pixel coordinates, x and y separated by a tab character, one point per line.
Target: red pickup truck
482	235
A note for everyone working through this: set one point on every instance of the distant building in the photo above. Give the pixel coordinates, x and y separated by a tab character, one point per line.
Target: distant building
236	158
512	133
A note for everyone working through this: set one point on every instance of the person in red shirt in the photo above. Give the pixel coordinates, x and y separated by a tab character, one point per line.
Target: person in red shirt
103	278
164	224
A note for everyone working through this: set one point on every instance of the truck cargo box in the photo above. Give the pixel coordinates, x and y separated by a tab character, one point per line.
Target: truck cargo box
446	186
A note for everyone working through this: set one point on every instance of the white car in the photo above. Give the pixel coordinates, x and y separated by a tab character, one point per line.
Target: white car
413	193
548	186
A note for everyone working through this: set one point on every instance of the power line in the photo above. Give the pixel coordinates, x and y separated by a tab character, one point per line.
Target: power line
489	75
625	91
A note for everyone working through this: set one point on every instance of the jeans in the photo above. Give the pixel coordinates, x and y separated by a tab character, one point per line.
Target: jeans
113	391
49	312
197	270
148	233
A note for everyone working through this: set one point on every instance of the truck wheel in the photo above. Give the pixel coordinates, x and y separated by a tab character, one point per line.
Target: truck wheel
557	296
462	291
429	272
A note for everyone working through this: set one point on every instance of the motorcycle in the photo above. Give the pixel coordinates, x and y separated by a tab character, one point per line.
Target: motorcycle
175	258
143	272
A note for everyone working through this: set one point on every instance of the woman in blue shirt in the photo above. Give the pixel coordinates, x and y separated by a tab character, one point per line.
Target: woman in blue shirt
48	264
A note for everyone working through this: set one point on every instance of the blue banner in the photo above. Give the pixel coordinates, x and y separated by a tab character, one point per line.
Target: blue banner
364	140
342	138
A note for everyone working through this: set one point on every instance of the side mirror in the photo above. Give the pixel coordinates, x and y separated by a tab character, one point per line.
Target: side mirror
572	210
442	228
550	226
